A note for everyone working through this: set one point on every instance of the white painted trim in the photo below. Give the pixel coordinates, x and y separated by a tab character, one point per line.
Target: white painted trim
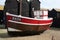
28	23
12	14
27	17
12	29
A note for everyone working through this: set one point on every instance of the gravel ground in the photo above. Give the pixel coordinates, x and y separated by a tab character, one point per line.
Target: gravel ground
47	35
44	36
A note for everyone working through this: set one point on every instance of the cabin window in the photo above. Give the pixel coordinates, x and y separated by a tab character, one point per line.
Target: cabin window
41	14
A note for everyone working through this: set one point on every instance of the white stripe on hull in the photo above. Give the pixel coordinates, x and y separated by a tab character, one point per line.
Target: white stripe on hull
12	29
28	23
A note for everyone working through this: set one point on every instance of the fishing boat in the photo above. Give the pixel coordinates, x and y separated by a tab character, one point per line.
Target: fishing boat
19	23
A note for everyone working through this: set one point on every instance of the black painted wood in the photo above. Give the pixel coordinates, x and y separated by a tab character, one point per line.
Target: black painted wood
56	18
11	6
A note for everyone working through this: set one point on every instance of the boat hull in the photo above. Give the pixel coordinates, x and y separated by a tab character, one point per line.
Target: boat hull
24	27
27	24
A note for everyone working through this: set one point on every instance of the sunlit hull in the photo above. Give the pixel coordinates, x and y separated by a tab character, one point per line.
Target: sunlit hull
27	24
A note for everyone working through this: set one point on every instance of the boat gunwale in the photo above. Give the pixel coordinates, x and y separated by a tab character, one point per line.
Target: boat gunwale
27	17
28	23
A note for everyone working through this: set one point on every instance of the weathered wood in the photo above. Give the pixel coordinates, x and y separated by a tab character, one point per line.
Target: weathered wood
11	6
28	27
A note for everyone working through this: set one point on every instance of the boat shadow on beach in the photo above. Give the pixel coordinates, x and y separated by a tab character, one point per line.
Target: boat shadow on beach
5	35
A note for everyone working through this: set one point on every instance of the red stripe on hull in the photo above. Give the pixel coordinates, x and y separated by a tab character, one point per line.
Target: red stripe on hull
35	21
9	17
26	20
29	21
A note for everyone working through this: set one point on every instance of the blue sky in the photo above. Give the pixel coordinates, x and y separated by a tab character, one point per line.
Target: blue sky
50	4
44	3
2	2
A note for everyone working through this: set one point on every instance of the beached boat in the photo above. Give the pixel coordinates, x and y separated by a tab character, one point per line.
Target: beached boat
21	24
29	19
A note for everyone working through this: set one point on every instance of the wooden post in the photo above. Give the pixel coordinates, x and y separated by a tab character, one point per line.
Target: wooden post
20	6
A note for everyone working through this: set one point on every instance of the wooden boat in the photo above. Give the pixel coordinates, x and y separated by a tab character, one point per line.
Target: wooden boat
21	24
25	23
